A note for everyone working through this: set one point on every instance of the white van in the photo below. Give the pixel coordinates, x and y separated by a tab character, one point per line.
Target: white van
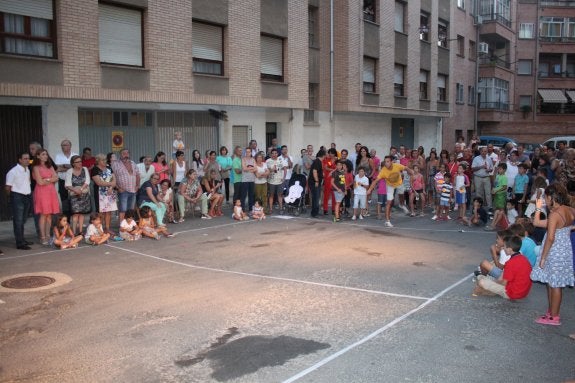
568	140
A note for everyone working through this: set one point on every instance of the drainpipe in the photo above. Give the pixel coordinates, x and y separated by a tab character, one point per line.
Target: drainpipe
331	60
536	77
476	109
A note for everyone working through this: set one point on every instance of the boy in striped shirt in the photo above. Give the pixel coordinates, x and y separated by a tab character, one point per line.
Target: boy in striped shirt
445	198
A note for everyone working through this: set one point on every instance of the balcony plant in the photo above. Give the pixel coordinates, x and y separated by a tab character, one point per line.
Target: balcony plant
526	109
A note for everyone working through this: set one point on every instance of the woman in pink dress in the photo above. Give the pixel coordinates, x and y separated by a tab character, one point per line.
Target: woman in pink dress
161	166
45	195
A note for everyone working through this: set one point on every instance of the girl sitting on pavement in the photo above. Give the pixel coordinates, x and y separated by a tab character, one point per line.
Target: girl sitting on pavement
239	214
258	210
63	235
95	234
129	229
149	227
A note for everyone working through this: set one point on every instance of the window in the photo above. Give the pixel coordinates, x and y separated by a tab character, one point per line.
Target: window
369	74
494	93
398	76
441	87
369	10
459	97
524	67
423	85
524	100
27	28
399	17
551	27
312	24
207	48
442	34
271	56
471	95
309	114
461	46
543	69
526	30
472	50
424	27
120	35
497	10
461	4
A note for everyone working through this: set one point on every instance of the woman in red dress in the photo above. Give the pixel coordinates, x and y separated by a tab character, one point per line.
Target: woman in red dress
45	195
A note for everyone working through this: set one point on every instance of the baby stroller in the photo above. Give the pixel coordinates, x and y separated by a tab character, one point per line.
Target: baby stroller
294	200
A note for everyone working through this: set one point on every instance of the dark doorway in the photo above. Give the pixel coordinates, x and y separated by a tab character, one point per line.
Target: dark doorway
19	125
402	132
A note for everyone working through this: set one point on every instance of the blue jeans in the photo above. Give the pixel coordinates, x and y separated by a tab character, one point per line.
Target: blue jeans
248	190
126	201
20	209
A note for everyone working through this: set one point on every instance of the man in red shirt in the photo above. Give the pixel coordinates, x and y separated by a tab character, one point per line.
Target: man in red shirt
328	165
515	282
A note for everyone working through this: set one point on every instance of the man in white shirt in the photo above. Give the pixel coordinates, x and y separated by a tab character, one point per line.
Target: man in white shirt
62	161
481	166
18	187
287	161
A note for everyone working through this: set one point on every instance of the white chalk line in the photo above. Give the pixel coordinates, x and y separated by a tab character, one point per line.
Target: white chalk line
375	333
270	277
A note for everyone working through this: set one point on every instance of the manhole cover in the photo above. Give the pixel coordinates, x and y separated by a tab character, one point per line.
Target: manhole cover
28	282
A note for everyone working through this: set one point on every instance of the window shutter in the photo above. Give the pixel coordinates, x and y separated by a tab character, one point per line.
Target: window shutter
120	35
206	41
368	70
41	9
399	12
398	75
422	76
271	56
441	81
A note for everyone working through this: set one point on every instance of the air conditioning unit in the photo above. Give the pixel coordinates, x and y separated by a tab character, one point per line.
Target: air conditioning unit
483	48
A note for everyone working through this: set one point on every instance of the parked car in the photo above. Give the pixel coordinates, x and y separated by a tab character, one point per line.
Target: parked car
552	142
496	141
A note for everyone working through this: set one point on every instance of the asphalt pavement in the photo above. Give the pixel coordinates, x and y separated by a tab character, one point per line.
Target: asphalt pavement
287	299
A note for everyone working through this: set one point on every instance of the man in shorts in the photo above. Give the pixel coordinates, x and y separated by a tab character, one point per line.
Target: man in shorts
391	173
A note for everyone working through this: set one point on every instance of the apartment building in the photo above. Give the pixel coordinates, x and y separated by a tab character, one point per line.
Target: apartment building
525	69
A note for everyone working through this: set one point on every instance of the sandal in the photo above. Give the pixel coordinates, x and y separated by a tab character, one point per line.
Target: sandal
549	320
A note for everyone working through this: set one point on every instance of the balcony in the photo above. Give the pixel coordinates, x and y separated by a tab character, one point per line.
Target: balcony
563	3
494	61
497	17
499	105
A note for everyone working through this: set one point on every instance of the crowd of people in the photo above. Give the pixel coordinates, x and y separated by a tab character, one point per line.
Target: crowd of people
498	189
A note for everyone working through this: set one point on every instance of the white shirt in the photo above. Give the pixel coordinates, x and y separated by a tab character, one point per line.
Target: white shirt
511	172
18	178
61	159
286	164
358	189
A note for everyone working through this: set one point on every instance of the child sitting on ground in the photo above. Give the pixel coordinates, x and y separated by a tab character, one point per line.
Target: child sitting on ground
239	214
149	227
445	198
95	232
515	282
129	229
63	235
258	210
478	216
504	218
494	268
